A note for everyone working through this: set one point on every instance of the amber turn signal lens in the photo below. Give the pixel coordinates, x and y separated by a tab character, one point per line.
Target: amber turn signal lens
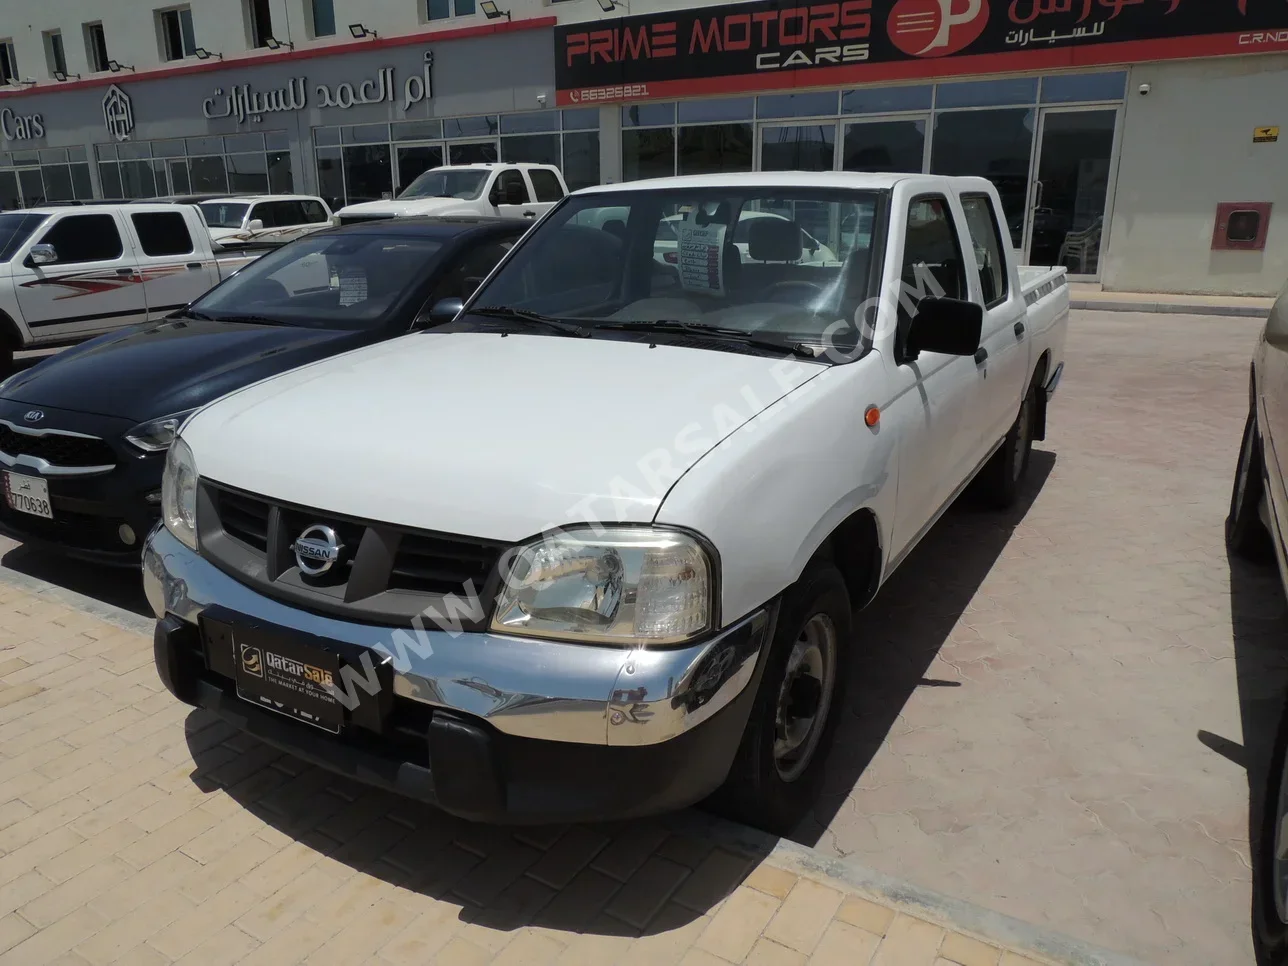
872	416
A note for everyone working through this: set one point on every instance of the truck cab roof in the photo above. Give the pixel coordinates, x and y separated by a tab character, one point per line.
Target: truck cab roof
784	179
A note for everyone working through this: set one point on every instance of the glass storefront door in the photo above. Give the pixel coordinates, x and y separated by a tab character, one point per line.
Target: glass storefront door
890	144
473	152
413	159
1070	188
798	147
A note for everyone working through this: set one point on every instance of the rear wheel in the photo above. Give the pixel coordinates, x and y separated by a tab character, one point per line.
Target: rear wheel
1245	533
998	483
776	773
1270	864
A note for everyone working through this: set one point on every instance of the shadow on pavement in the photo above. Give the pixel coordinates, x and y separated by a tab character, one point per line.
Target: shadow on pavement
119	586
1260	630
902	630
593	879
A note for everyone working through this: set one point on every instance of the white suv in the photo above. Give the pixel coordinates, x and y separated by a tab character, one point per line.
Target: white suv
491	188
268	218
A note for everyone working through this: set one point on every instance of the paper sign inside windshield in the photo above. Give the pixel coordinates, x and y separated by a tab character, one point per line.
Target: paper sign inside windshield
701	268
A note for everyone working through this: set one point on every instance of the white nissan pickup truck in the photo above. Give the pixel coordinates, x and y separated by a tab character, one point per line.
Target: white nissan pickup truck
69	273
488	189
588	546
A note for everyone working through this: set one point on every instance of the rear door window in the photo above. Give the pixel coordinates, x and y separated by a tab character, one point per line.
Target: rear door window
162	233
986	239
545	184
313	212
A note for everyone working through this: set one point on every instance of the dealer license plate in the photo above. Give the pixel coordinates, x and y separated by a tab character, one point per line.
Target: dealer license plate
287	676
27	494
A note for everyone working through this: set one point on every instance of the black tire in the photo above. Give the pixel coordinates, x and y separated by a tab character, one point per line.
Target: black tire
763	789
999	482
1245	534
1270	932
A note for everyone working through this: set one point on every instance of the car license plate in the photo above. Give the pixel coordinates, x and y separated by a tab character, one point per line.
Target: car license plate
27	494
288	676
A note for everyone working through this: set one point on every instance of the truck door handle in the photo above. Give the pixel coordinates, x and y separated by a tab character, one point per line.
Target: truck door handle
529	214
981	355
195	265
125	271
1019	330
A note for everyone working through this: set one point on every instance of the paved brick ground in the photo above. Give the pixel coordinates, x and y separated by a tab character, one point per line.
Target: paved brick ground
136	831
1055	708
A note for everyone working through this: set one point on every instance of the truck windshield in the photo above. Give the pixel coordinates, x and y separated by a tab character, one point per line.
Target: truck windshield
15	228
437	183
223	215
348	281
786	263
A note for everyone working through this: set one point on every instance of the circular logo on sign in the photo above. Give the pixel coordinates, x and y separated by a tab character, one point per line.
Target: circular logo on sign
936	28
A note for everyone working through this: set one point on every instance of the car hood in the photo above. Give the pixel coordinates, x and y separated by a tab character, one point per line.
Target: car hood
408	206
160	368
484	435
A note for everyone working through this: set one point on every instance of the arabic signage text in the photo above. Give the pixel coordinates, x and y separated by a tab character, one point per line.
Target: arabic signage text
243	102
779	43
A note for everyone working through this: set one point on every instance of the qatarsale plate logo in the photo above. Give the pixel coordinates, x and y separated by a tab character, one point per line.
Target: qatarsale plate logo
936	28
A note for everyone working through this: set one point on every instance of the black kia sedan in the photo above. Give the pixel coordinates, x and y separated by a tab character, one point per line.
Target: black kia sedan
83	433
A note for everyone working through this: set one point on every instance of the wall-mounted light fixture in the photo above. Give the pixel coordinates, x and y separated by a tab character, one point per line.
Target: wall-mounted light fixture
492	11
272	43
116	67
62	75
359	31
203	54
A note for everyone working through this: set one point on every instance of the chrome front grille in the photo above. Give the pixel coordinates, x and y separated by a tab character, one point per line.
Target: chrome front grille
385	573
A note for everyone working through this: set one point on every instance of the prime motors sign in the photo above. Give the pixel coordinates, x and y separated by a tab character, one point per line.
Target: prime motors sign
772	44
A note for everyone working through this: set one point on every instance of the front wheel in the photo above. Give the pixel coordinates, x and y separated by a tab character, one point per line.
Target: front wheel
1245	534
778	768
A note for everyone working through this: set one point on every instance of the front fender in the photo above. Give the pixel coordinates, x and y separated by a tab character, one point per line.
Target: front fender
769	494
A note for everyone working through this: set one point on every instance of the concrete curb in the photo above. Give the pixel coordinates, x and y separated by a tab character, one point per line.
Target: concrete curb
1173	308
118	616
952	913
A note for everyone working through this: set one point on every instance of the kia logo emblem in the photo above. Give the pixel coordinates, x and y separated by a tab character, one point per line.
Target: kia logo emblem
34	416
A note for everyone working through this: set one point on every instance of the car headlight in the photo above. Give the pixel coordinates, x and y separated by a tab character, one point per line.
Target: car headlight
179	494
624	585
157	434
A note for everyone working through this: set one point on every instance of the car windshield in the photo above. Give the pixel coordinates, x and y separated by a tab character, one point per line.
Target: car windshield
786	263
15	228
439	183
343	281
221	214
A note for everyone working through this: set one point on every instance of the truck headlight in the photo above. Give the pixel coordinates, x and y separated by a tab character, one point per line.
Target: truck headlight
179	494
624	585
157	434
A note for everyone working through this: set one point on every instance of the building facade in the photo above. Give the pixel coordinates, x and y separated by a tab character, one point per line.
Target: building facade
1135	141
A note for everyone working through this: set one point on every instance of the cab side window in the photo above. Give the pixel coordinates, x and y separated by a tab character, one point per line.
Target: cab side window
986	239
314	213
84	238
162	233
508	177
932	259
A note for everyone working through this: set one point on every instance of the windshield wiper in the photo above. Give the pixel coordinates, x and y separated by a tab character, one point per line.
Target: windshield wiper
523	315
207	317
718	331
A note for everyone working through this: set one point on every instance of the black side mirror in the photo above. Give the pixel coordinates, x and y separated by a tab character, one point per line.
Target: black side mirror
515	193
950	326
443	311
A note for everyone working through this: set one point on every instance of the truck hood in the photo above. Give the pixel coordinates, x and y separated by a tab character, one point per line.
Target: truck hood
484	435
409	206
160	368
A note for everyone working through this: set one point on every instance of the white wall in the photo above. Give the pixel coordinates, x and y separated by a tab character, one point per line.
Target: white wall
1186	146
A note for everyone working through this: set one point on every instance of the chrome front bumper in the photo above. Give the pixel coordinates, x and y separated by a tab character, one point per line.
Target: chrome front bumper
524	687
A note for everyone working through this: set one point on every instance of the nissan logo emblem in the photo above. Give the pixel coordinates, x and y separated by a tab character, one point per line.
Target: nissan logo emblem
317	550
34	416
